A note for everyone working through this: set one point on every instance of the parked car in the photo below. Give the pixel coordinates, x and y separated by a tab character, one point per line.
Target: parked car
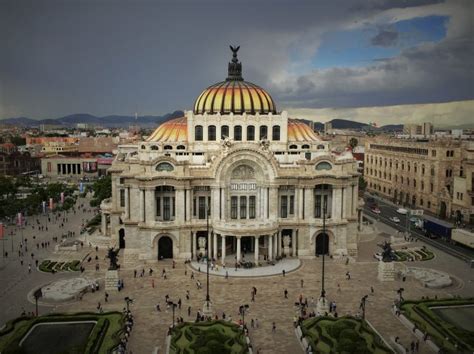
395	219
402	211
375	210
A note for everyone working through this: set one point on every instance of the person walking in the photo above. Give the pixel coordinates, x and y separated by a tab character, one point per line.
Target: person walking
302	282
29	268
273	327
286	293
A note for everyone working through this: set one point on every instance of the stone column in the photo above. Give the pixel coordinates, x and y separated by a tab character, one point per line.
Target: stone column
264	203
336	203
238	248
194	238
104	224
309	203
127	203
256	249
270	247
150	205
294	236
223	249
279	243
273	203
214	248
355	198
142	204
179	198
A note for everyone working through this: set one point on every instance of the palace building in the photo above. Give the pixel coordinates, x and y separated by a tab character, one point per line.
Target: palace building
262	183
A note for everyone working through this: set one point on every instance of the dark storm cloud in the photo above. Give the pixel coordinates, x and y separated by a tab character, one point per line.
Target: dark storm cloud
106	57
385	38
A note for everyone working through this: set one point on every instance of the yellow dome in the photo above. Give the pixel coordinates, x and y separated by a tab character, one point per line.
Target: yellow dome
234	95
174	130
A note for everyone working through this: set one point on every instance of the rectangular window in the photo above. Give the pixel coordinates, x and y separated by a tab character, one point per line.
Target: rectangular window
158	206
202	207
243	207
166	208
49	166
209	205
292	204
317	210
194	206
252	207
173	209
233	207
325	205
284	206
122	197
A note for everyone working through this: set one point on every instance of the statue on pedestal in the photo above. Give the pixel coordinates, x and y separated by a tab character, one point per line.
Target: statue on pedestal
112	255
387	251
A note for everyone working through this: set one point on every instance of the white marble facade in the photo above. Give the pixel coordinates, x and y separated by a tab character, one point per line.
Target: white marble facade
264	192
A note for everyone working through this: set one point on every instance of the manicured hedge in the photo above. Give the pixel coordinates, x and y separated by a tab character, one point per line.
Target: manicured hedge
103	339
341	335
444	334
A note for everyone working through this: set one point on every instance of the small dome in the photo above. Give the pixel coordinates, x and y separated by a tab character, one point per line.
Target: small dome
174	130
300	131
234	95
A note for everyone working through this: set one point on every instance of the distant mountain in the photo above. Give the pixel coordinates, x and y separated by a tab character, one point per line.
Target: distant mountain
392	128
112	121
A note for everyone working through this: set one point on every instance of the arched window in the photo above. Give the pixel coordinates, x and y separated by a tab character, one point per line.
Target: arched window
321	147
263	132
250	133
154	147
305	146
164	167
211	133
198	135
224	131
180	147
167	147
238	133
293	147
276	132
323	166
143	147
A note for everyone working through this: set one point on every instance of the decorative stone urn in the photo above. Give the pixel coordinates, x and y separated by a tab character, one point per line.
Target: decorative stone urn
202	245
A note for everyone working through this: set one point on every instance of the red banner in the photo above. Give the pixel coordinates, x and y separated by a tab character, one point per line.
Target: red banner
2	230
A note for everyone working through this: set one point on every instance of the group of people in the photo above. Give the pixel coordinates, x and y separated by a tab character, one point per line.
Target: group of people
128	326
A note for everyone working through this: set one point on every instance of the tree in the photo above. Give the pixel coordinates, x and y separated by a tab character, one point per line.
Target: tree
353	143
17	140
362	183
102	189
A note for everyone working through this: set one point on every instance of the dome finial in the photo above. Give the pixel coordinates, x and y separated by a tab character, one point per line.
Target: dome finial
234	68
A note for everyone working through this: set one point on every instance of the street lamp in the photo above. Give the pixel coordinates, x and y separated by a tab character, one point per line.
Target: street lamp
362	305
400	294
173	307
322	306
37	294
128	301
242	309
208	299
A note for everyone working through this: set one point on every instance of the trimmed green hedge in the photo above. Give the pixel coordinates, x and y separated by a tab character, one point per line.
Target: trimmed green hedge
208	337
104	337
48	266
341	335
444	334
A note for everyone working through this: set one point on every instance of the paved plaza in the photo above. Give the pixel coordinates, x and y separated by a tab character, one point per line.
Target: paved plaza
227	295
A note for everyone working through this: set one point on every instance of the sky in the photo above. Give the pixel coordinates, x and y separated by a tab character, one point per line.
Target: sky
387	61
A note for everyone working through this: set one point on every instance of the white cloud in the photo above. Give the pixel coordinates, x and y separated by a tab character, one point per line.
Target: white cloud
440	114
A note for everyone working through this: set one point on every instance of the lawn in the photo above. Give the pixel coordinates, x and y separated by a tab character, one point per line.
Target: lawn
444	328
417	254
208	337
341	335
100	336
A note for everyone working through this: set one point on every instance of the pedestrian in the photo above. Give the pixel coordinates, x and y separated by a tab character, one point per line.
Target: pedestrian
348	275
189	311
152	283
29	268
158	308
273	327
302	282
372	290
417	346
252	323
106	297
187	294
283	272
256	323
226	274
135	273
338	287
150	272
286	293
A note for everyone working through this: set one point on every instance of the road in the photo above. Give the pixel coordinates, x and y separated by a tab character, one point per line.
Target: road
388	210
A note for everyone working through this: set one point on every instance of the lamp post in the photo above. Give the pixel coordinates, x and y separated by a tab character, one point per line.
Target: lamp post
242	310
37	294
207	304
362	305
173	307
400	294
128	301
322	306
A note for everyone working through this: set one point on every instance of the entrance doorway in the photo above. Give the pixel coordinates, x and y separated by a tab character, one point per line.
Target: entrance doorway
247	244
165	248
442	211
122	238
322	244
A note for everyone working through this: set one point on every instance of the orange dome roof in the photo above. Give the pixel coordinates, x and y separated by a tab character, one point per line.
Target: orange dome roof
176	130
300	131
236	97
173	130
